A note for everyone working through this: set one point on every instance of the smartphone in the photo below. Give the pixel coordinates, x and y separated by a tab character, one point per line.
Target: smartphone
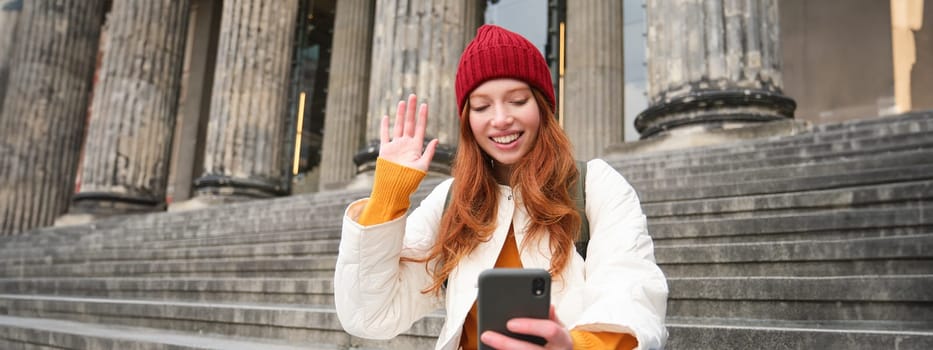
505	294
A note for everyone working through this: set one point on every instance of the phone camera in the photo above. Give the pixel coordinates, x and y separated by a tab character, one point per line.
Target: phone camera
537	286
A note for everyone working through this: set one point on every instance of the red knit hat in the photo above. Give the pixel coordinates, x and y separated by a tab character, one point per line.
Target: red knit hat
499	53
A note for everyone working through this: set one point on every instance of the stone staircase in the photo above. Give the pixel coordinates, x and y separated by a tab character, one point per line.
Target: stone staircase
818	240
245	276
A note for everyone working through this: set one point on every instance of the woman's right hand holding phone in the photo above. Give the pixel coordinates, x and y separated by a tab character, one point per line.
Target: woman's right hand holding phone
406	146
552	330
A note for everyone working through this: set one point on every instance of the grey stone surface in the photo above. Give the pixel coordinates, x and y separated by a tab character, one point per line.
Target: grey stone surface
824	133
244	151
348	85
704	164
593	91
43	114
898	255
281	267
306	291
803	170
22	332
877	298
285	322
723	54
318	244
864	195
131	123
810	178
707	333
758	228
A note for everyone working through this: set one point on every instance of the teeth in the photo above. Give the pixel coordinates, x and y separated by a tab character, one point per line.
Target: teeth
506	139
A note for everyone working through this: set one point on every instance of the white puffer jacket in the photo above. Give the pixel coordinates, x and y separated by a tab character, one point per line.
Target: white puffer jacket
619	288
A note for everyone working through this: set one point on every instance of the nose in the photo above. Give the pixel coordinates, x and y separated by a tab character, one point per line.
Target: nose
501	118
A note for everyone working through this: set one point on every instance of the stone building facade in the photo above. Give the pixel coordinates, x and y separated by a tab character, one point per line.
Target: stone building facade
198	101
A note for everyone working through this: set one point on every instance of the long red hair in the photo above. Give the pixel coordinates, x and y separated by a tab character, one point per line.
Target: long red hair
543	177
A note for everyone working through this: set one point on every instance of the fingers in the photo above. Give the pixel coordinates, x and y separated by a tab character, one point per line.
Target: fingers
409	129
552	314
551	330
405	123
422	123
384	130
500	341
399	120
556	336
429	152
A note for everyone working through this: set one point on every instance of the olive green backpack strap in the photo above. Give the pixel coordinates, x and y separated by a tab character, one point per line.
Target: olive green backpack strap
578	194
450	191
579	199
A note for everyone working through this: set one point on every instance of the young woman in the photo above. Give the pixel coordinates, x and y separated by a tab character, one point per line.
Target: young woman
510	206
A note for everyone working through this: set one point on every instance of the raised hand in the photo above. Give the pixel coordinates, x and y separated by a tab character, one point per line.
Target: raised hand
405	146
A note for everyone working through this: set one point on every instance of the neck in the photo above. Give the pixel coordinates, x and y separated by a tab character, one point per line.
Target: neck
502	172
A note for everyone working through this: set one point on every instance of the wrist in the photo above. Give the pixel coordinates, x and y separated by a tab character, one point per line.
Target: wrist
392	187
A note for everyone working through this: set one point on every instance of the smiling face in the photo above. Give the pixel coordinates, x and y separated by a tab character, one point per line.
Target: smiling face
504	118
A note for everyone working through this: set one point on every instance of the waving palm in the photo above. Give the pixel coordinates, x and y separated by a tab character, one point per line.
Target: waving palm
405	146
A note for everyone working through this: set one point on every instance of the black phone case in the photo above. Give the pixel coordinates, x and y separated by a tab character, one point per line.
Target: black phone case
509	293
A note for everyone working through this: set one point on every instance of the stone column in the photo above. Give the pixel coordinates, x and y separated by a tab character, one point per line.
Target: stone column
9	12
416	48
594	91
194	99
712	64
129	139
347	92
245	154
43	118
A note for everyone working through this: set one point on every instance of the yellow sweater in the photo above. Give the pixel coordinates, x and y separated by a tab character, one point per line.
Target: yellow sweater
389	200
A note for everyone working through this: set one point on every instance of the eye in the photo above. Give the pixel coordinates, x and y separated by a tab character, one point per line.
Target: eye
479	108
520	102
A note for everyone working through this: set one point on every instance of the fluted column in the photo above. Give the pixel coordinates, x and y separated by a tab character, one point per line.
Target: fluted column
9	13
126	153
347	91
245	153
44	113
712	63
416	48
594	95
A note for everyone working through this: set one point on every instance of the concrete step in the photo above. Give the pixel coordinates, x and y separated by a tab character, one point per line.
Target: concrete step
308	267
324	244
230	227
899	255
825	178
221	220
309	212
762	159
918	159
855	196
40	333
815	224
209	239
289	323
853	298
819	134
214	240
168	233
713	333
287	214
314	291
